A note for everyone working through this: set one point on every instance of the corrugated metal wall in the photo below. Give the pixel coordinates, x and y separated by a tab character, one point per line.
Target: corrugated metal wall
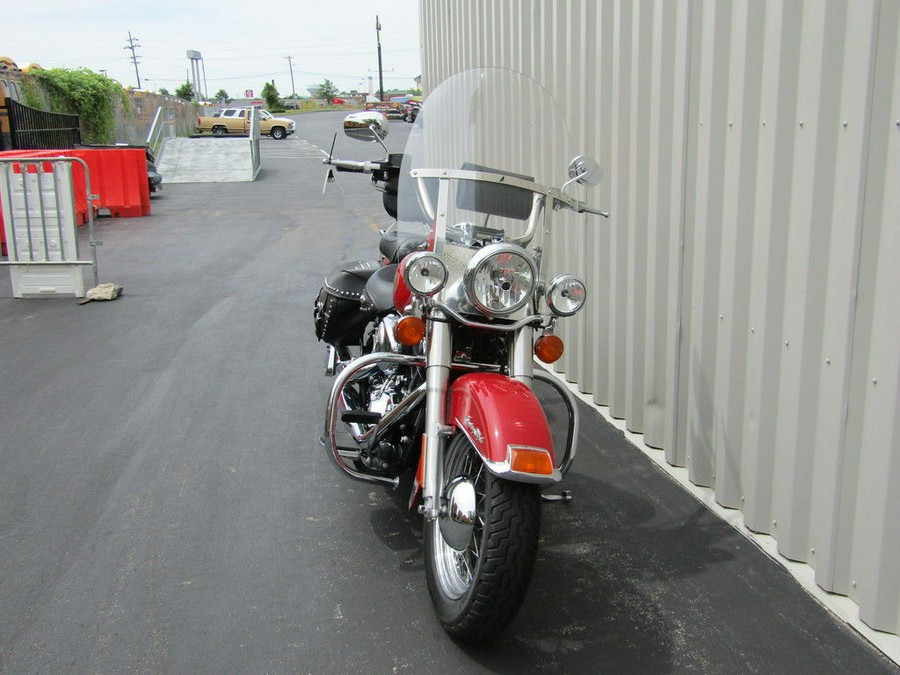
745	312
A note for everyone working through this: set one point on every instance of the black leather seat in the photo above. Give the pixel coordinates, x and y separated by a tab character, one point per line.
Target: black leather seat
396	245
379	293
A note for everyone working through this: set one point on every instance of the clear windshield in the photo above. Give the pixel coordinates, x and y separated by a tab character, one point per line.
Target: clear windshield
496	122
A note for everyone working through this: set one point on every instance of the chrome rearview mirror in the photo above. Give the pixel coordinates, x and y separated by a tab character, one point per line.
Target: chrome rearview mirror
585	171
366	125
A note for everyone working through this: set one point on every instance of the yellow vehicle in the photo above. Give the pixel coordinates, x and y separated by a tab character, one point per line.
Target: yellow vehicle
236	121
10	87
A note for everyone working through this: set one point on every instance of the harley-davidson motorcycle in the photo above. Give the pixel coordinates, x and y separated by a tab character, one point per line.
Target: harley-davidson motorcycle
433	345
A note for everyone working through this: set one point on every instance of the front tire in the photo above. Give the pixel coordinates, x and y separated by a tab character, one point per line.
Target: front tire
278	133
477	592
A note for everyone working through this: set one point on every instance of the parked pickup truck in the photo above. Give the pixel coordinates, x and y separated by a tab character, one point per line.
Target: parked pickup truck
237	121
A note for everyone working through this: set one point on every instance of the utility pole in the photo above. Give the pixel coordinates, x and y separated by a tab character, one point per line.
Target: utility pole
132	45
380	76
291	66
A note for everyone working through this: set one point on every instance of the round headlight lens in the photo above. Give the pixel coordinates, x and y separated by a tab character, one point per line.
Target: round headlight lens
566	295
425	274
500	279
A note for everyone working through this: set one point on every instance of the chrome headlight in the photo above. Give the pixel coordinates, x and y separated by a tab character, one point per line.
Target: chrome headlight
566	295
499	279
425	273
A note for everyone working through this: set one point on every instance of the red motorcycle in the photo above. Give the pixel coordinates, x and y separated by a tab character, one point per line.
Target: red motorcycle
433	346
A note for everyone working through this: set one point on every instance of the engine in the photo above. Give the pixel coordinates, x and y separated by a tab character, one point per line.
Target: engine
387	448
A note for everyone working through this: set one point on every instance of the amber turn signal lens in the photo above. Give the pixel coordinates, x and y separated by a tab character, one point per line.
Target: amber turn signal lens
410	331
531	460
548	348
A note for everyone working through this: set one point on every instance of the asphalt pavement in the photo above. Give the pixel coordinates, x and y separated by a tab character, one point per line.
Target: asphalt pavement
165	506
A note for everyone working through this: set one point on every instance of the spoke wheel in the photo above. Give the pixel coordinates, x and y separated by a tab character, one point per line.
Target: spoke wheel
478	590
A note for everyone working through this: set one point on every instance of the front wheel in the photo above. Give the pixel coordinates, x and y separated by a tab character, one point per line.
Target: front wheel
278	133
477	591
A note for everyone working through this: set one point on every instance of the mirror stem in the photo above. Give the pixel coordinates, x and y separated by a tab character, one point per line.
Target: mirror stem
379	139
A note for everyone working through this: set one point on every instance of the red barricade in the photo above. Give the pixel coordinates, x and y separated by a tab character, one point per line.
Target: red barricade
118	178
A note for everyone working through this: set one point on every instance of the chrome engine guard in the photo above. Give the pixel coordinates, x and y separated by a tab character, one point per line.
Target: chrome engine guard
361	366
356	369
572	408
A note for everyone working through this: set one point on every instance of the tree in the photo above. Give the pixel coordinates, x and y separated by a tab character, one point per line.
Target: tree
327	91
185	91
222	97
164	91
271	95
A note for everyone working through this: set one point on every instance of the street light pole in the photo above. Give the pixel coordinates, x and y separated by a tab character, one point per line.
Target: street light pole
380	76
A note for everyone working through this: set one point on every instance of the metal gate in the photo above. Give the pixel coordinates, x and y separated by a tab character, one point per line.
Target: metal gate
33	129
40	221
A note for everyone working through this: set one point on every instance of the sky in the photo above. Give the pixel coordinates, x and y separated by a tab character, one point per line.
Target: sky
243	44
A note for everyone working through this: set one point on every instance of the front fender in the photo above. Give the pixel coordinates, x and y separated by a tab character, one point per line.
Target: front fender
501	416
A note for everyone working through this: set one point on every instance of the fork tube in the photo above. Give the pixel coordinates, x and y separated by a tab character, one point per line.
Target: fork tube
437	376
521	359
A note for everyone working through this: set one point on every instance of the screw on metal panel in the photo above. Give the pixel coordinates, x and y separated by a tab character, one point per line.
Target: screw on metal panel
787	343
774	523
845	124
764	123
731	124
827	362
800	123
812	551
853	583
875	381
721	317
752	330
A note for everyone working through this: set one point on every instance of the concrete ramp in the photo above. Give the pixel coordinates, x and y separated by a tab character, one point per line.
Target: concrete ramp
209	160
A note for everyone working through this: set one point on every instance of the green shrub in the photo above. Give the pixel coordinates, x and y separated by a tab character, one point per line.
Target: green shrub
89	95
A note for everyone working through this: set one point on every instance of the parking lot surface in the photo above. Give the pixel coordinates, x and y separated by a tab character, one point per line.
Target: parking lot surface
165	506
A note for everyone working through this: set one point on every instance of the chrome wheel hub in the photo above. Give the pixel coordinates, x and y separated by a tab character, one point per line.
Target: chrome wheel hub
457	520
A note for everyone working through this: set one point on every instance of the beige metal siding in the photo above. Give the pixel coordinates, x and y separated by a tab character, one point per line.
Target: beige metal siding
745	295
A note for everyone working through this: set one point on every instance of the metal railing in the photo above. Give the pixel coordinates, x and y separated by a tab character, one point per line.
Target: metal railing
254	140
162	129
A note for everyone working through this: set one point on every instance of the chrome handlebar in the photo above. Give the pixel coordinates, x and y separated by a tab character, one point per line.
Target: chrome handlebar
352	166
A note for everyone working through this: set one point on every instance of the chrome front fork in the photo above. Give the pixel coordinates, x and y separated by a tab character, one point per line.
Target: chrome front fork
521	362
437	377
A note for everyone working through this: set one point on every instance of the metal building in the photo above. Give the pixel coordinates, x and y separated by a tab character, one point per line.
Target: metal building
746	291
